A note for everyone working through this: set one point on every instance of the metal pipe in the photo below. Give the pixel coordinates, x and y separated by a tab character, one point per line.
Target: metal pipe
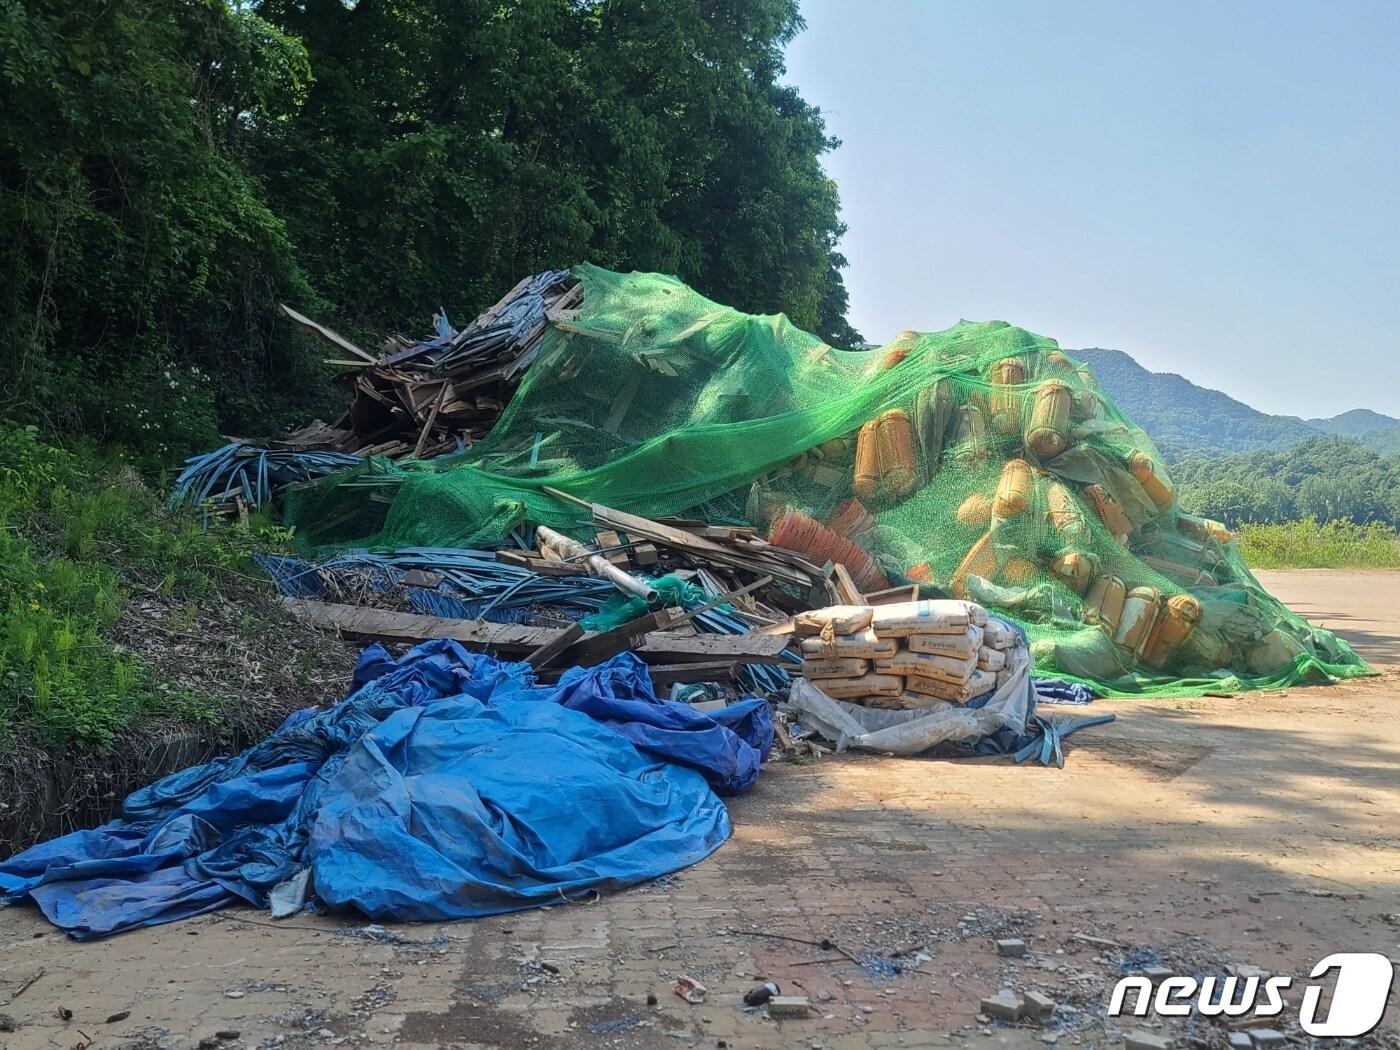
597	564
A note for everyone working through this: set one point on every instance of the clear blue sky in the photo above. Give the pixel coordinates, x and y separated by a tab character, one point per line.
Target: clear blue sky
1214	188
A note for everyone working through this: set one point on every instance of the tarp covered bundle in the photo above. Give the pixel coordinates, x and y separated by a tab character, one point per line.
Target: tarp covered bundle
980	461
445	786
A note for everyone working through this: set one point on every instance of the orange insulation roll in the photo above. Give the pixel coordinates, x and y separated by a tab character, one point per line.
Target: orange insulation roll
1075	569
1140	610
975	510
886	467
850	519
1103	605
1203	530
899	468
1142	468
1066	513
1110	511
866	481
1013	497
1178	619
796	531
1048	433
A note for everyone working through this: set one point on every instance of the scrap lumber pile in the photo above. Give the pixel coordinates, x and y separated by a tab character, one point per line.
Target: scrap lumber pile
527	601
431	396
905	655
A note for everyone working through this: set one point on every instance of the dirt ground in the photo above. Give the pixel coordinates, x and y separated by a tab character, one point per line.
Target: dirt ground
1191	834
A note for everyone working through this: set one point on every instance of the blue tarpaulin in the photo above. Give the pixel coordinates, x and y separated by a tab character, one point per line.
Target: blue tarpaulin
445	786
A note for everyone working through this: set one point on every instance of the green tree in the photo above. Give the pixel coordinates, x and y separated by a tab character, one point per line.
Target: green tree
138	249
171	169
448	147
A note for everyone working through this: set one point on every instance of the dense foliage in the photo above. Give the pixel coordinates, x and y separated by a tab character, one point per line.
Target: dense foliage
1311	544
1327	478
79	535
170	170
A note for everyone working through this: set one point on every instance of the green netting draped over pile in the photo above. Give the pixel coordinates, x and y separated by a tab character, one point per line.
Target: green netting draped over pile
981	460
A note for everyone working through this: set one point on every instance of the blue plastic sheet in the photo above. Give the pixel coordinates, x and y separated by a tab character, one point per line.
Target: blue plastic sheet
446	785
728	745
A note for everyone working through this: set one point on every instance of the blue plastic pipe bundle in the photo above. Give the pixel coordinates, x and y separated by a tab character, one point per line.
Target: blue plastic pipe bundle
251	472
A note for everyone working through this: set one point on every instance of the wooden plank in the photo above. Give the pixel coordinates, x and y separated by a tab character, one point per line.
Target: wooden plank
543	566
663	675
893	595
552	648
352	621
698	546
751	648
596	648
432	418
847	593
329	335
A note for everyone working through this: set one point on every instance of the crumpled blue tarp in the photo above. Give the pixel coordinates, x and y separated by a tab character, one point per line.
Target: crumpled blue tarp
446	785
728	744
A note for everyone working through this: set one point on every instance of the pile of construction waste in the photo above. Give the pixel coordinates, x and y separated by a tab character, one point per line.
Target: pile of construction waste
654	432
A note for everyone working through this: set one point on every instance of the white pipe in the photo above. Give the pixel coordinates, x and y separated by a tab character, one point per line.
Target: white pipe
597	564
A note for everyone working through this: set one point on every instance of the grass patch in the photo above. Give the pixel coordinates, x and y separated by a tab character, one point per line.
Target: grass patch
81	536
1310	544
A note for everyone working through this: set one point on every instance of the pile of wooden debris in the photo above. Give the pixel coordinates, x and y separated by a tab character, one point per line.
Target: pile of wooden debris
440	394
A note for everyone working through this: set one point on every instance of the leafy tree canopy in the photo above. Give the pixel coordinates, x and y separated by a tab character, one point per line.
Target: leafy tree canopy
170	170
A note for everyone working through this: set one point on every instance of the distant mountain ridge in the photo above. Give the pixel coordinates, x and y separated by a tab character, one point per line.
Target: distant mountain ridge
1181	416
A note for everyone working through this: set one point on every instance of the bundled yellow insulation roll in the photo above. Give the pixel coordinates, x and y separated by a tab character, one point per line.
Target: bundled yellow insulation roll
1103	605
1014	488
1005	399
1144	471
1138	618
976	510
1178	619
1066	514
1047	434
1075	570
1110	512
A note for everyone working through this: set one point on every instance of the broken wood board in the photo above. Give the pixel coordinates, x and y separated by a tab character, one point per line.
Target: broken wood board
352	621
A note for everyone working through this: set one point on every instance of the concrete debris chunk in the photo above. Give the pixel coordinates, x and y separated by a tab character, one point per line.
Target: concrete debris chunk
1011	948
789	1006
1006	1005
1264	1038
1240	1041
1039	1008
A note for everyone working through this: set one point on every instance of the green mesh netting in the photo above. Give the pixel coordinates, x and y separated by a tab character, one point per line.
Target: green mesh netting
979	461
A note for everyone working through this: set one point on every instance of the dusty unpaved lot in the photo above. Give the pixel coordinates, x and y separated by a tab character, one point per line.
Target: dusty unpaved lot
1191	834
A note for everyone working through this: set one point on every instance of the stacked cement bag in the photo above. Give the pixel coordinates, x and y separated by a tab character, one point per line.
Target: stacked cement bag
905	655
